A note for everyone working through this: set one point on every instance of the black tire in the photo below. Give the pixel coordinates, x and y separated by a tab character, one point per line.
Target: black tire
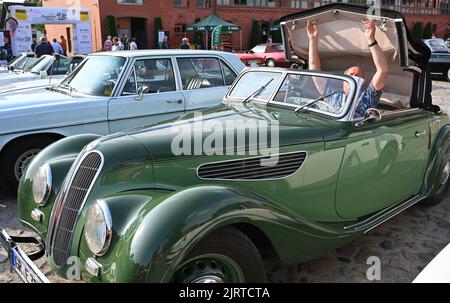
16	157
270	63
236	245
440	191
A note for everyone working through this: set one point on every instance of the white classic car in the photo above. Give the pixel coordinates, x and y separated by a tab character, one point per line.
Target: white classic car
107	93
45	71
19	63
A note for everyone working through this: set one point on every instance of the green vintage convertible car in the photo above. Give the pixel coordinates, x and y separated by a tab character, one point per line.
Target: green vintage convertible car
275	170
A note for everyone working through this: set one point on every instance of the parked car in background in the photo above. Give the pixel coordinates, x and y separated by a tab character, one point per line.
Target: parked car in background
51	68
35	80
21	63
109	92
132	208
439	65
265	55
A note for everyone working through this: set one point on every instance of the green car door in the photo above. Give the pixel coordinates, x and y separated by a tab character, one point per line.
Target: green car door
383	162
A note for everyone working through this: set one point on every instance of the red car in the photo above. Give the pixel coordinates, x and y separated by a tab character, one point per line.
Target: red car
265	55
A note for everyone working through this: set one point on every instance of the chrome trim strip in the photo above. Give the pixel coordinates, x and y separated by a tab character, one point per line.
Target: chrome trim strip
85	198
387	213
256	157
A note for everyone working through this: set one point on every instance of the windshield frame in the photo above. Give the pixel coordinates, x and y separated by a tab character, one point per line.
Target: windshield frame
52	60
119	78
349	106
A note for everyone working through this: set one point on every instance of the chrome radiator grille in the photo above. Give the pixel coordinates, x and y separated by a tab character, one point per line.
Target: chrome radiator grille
82	181
259	168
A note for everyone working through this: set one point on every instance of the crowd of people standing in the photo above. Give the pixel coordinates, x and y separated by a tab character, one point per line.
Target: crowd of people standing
45	47
119	43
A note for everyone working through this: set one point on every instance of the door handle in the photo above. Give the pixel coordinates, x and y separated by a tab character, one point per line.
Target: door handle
420	133
179	101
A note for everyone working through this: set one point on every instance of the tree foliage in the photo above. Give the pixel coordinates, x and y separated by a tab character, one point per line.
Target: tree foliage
111	26
255	34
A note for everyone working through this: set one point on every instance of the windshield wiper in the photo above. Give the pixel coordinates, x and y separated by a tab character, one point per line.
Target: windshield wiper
257	92
298	109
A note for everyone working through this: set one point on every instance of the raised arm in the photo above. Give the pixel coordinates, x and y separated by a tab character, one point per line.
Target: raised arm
379	59
314	58
313	35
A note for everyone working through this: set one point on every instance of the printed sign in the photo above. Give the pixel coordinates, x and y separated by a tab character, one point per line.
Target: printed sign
27	16
21	14
2	37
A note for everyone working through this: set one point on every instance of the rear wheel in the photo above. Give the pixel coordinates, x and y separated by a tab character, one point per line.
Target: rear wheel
441	187
16	159
226	256
270	63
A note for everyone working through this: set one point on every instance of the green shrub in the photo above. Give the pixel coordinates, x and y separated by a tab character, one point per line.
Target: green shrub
111	27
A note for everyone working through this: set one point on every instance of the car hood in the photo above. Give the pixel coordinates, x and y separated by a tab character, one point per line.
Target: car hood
36	97
17	77
33	83
290	128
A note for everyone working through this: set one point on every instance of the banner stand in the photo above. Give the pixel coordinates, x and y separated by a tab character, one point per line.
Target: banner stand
21	35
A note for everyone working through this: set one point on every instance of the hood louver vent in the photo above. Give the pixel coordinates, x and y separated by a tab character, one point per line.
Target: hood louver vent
260	168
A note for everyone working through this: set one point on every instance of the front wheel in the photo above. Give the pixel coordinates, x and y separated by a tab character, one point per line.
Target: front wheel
16	159
441	186
225	256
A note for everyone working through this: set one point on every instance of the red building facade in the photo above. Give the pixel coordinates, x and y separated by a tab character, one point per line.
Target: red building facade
136	17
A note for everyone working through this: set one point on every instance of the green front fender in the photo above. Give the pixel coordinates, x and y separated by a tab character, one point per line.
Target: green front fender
161	228
60	156
439	154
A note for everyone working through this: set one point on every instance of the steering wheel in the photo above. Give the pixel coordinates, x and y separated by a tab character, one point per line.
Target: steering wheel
324	106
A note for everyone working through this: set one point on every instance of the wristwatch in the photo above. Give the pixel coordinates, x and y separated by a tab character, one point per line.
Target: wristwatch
373	43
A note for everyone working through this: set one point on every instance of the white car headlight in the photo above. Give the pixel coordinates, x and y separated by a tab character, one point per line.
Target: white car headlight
98	228
42	184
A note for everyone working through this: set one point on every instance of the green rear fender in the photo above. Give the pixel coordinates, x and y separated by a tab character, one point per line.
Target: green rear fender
439	155
166	227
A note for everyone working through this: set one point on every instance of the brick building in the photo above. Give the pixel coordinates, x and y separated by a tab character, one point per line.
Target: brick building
136	17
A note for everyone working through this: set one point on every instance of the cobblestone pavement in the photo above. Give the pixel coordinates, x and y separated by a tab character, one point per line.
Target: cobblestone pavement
405	244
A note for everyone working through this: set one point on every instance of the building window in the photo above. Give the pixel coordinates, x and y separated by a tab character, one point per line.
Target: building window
223	2
203	3
179	28
132	2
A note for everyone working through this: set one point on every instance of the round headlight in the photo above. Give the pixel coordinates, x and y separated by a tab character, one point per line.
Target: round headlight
42	184
98	228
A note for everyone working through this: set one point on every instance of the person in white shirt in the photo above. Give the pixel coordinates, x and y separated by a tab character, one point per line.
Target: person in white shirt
116	44
57	47
133	45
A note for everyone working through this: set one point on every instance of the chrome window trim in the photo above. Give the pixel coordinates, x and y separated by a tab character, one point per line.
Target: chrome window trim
343	116
131	64
64	193
249	158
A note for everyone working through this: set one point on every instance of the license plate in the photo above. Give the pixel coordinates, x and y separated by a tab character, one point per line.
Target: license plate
20	263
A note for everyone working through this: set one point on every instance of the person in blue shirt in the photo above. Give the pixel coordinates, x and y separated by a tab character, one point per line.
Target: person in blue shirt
44	48
370	96
57	48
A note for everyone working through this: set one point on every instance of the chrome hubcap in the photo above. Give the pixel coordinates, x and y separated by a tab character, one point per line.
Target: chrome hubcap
23	161
448	74
445	173
208	279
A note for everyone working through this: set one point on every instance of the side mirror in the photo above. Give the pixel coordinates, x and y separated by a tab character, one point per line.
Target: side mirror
141	92
371	114
11	68
43	74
